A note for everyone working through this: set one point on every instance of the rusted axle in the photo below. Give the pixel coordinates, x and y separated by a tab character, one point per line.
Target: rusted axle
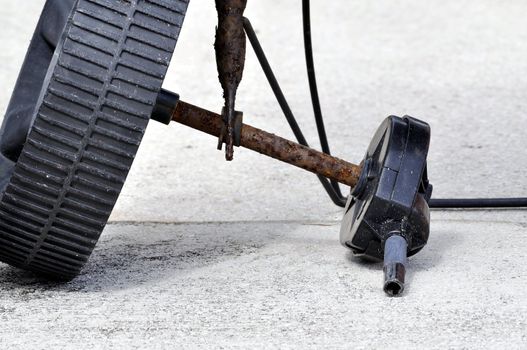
259	141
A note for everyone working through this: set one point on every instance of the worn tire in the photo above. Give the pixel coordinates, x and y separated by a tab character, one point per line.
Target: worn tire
94	107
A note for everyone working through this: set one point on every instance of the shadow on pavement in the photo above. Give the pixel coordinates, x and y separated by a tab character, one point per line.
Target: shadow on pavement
132	255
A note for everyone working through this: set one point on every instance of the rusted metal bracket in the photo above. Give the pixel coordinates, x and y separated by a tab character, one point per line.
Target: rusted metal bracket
237	124
230	47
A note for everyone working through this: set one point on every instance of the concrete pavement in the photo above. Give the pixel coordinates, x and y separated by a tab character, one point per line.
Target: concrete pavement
193	260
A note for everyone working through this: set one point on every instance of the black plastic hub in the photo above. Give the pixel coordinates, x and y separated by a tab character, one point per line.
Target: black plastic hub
392	195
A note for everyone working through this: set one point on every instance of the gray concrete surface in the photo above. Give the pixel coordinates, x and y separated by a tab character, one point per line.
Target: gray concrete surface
193	260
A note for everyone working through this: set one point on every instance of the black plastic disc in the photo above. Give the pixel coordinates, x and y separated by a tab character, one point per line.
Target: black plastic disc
393	195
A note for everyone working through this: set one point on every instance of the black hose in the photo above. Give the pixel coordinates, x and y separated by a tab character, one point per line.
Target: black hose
478	203
312	77
434	202
335	196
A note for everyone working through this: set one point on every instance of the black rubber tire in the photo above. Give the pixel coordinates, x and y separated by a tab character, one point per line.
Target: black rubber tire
94	107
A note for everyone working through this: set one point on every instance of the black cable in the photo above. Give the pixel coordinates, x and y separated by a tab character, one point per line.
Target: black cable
332	188
478	203
434	202
275	86
312	77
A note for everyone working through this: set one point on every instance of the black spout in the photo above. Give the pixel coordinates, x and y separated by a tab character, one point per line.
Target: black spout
395	251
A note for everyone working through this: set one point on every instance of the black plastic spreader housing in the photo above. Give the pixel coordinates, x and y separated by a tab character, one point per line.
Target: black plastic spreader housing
391	199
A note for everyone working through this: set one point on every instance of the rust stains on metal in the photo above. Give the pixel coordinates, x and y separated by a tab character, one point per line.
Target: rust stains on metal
271	145
230	49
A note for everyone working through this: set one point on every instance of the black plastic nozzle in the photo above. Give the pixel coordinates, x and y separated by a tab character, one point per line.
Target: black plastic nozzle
387	217
395	250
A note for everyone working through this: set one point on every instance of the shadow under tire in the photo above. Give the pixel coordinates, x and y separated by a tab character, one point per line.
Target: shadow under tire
94	107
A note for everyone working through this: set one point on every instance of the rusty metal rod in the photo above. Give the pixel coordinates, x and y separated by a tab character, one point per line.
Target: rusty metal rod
270	145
